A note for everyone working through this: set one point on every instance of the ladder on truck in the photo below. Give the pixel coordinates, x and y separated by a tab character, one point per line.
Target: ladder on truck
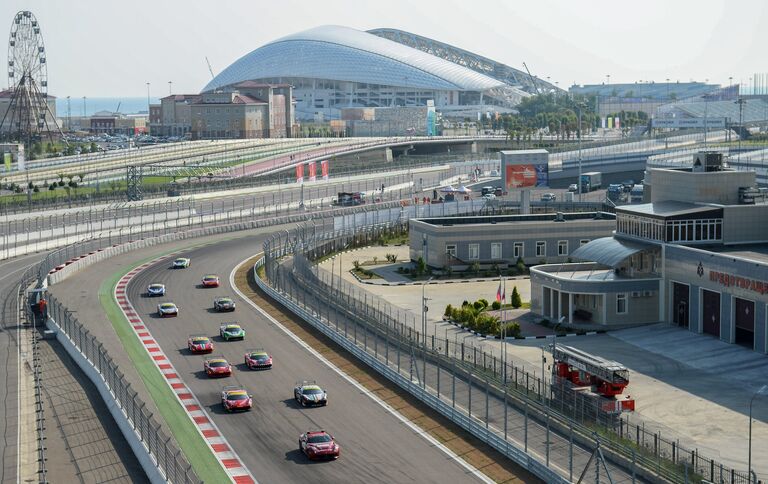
607	370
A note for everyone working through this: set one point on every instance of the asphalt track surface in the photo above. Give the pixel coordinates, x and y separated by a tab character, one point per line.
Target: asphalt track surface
376	447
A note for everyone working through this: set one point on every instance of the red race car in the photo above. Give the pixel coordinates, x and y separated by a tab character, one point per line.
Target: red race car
199	343
319	445
217	366
258	359
210	280
235	398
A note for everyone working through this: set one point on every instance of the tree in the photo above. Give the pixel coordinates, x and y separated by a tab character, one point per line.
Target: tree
94	147
515	299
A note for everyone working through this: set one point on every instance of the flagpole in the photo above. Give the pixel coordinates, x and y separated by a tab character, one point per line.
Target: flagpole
504	326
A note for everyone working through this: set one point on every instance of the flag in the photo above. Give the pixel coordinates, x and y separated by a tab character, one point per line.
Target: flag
312	171
504	292
299	173
324	169
498	293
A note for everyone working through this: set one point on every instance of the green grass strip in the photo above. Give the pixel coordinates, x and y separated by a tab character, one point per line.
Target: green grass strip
184	430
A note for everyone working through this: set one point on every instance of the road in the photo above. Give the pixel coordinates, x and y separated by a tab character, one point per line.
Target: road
375	446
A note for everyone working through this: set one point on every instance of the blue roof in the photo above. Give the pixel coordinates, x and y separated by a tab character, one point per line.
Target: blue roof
345	54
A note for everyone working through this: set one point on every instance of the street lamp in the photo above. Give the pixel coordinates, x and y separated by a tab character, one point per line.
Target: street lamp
749	459
424	310
741	102
580	106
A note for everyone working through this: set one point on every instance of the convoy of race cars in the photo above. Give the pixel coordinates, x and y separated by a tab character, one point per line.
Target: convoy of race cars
317	444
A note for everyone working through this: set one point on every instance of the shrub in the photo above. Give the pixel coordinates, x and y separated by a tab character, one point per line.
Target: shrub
448	311
356	263
478	306
515	299
496	305
484	301
512	330
520	265
73	184
400	270
375	260
455	314
52	187
36	189
465	303
394	258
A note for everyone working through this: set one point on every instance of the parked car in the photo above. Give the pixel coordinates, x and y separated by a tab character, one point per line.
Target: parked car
548	197
573	187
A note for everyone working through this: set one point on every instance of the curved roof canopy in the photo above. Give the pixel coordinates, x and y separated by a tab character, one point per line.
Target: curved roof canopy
608	251
345	54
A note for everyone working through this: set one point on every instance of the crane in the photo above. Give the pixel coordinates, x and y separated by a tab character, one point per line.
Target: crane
533	79
210	69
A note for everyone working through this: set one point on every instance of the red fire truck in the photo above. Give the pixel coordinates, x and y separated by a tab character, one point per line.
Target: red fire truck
594	376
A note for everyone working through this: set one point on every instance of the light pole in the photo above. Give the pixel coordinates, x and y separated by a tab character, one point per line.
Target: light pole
147	99
424	310
170	88
751	400
741	102
579	105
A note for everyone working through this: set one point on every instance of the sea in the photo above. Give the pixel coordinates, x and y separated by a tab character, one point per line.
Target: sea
91	105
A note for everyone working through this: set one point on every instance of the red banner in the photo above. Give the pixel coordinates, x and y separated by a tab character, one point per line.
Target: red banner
324	169
312	171
300	173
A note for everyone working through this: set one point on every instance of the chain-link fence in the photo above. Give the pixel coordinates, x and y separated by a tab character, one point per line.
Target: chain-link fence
381	327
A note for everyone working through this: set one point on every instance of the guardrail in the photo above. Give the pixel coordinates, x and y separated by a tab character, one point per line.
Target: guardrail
449	409
630	447
160	447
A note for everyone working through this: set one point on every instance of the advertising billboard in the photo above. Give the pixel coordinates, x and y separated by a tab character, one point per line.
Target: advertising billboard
324	169
312	171
525	168
300	173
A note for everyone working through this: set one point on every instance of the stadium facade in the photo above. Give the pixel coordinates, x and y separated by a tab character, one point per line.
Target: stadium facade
334	67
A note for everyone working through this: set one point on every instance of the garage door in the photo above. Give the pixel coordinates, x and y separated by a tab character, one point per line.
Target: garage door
744	312
710	312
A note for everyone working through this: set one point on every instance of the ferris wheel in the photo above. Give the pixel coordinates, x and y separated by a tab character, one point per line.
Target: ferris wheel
29	115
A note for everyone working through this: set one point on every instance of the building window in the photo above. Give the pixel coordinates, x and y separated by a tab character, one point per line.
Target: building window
562	247
583	242
451	250
517	250
496	250
621	303
474	251
541	249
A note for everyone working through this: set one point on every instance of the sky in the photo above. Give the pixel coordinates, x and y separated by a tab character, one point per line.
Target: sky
107	48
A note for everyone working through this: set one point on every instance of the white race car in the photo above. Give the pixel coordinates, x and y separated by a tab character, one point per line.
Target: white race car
167	309
156	290
181	263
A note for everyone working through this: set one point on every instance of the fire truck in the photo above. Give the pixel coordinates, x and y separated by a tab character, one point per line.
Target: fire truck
598	378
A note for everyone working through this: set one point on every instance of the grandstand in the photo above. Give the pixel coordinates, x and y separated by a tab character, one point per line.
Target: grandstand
755	110
653	90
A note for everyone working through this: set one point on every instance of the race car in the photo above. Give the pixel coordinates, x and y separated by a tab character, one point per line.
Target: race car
230	331
258	359
167	309
180	263
235	398
309	393
156	289
319	444
223	304
217	366
210	280
199	343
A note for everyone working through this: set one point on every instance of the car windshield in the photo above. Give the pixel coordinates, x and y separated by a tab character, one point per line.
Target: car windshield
210	278
237	396
312	391
168	306
156	286
217	364
233	328
319	439
180	261
200	341
225	301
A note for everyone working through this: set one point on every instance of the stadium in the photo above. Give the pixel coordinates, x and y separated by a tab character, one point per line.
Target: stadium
334	67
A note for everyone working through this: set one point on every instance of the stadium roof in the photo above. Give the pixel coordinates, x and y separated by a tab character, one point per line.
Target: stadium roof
345	54
497	70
